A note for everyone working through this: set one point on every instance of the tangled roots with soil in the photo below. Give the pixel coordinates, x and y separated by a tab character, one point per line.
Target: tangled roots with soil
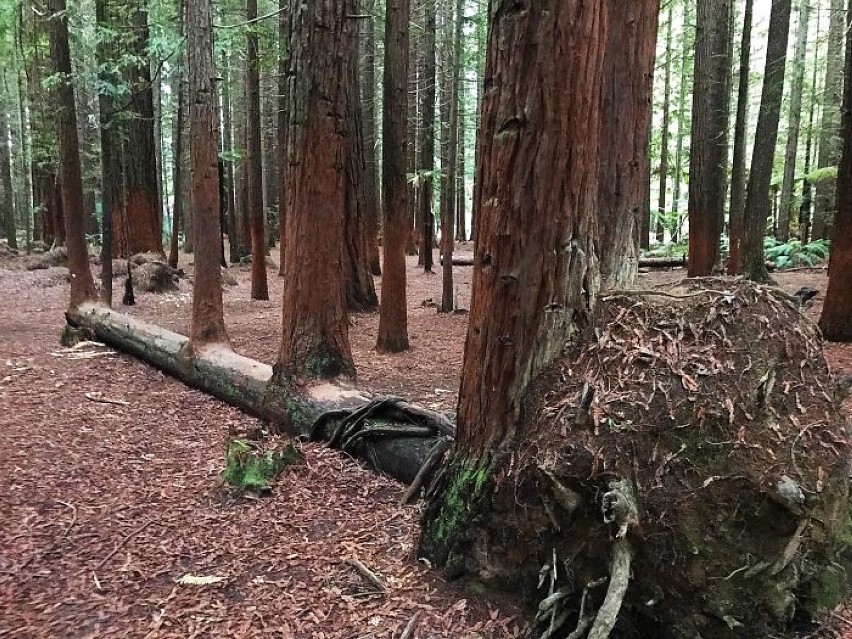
714	401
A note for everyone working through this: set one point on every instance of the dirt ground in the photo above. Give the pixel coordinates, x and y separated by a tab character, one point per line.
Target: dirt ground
109	492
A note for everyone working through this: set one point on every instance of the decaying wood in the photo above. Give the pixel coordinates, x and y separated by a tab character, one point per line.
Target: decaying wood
245	384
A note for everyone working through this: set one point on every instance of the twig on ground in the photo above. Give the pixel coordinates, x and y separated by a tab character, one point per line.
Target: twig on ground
367	574
96	397
122	543
410	626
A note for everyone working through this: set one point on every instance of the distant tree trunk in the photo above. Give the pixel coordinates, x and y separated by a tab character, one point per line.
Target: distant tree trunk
227	147
71	180
7	199
315	335
531	200
664	144
836	318
360	288
807	190
208	324
461	190
426	147
623	152
179	176
368	96
140	200
735	225
682	129
451	131
254	155
709	150
393	317
756	212
829	136
796	86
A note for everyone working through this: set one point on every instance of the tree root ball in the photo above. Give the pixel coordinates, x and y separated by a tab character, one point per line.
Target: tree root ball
714	402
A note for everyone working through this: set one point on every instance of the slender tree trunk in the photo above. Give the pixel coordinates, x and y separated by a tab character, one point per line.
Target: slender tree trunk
71	180
735	225
7	199
254	156
426	148
709	150
208	323
393	317
836	318
448	188
807	190
315	335
179	178
796	86
829	137
757	205
682	128
368	96
626	107
530	200
660	230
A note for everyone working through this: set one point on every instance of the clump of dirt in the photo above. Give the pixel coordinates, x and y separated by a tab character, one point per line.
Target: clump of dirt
155	277
714	401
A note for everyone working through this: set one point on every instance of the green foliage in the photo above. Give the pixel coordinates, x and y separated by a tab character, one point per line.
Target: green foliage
249	467
793	253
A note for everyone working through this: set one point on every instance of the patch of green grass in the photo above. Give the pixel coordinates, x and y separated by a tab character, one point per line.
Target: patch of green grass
249	467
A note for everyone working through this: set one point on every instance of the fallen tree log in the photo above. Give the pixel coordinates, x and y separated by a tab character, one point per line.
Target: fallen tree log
245	384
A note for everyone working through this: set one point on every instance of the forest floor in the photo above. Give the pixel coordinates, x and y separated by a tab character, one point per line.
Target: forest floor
110	494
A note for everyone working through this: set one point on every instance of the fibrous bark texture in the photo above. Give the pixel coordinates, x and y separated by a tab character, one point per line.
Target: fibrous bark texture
208	324
315	339
71	181
709	150
623	154
393	315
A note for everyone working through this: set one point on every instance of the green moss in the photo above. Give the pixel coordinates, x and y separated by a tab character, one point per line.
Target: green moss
247	467
465	490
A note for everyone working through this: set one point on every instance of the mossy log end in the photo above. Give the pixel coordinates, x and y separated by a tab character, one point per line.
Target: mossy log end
247	385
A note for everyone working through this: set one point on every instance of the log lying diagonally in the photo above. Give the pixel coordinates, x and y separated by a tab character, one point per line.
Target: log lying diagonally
398	445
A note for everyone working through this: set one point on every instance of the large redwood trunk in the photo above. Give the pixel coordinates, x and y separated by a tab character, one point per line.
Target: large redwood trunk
82	284
836	318
393	315
254	168
139	228
208	324
315	332
709	150
623	155
535	243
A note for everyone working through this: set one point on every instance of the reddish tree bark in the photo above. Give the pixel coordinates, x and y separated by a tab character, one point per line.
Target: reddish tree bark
623	155
315	332
208	324
254	168
836	318
709	151
393	316
82	284
757	204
